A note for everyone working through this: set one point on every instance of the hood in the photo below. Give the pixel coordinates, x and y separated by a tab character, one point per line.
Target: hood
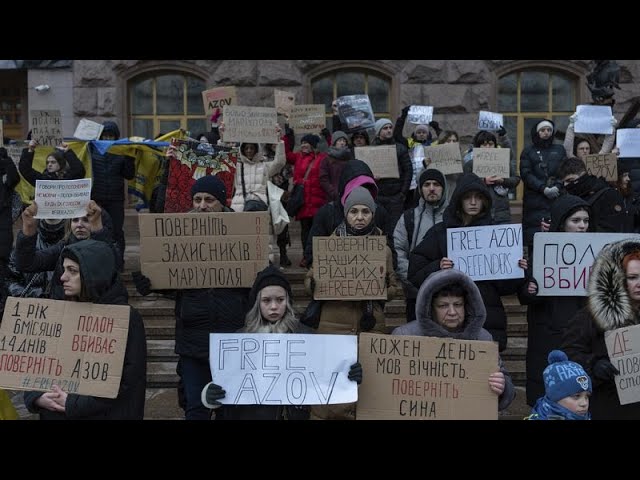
467	183
354	168
257	158
586	185
98	269
564	205
609	302
110	126
475	312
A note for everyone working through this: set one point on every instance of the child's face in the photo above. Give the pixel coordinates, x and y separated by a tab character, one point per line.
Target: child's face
577	403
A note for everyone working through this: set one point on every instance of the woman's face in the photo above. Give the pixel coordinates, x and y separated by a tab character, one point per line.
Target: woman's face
473	203
359	141
71	281
578	222
583	149
249	150
341	143
359	217
52	164
273	303
633	280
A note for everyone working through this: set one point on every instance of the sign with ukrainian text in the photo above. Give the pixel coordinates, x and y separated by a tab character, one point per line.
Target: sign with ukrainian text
250	124
426	378
623	347
283	369
203	250
487	252
46	127
76	345
62	198
350	268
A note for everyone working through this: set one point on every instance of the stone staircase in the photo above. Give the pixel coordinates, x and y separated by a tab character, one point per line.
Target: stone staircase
158	315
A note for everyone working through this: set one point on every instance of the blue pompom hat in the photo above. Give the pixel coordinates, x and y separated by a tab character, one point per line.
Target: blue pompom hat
563	378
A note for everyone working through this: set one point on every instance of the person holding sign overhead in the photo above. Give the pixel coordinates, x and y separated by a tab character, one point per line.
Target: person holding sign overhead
62	164
548	317
470	206
90	275
450	305
613	303
352	317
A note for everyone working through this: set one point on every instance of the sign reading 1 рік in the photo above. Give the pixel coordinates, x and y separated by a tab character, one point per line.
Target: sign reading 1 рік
204	250
78	346
350	268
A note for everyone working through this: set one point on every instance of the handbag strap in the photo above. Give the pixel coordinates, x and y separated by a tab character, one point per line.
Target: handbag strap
306	174
244	190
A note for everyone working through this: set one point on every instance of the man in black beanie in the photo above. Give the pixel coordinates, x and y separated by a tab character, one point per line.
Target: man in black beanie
209	195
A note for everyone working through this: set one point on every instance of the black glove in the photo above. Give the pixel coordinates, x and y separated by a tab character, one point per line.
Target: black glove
367	321
436	127
214	393
604	370
502	131
288	131
355	373
405	111
143	284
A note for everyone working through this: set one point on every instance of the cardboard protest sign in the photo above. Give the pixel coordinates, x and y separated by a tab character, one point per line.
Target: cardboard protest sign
62	198
623	347
594	119
283	369
488	252
562	261
420	114
192	161
204	250
355	112
284	101
88	130
350	268
446	158
603	165
426	378
491	161
250	124
78	346
46	127
215	99
490	121
307	118
382	159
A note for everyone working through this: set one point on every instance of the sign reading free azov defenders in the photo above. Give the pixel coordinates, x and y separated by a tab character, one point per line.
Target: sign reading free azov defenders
203	250
350	268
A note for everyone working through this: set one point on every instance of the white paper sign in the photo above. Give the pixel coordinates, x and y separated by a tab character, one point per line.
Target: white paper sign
490	121
88	130
420	114
487	252
562	261
283	369
594	119
628	141
62	198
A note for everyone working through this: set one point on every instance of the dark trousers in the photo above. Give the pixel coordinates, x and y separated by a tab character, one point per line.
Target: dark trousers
305	228
195	374
116	210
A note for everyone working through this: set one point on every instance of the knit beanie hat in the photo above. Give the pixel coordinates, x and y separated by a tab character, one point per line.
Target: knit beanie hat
432	174
381	123
563	378
210	184
335	136
543	124
359	196
268	277
311	139
421	128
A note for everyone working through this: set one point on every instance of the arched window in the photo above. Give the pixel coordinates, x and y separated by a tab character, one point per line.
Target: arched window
353	81
525	97
164	101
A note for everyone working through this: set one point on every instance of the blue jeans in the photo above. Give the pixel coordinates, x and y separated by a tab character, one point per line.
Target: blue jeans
195	374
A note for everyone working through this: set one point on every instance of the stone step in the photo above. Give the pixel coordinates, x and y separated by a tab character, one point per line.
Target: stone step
161	350
162	404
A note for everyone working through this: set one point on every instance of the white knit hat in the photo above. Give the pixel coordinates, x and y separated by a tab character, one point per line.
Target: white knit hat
543	124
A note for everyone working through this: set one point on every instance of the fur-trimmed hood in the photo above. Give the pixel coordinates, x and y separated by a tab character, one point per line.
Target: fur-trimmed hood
475	311
609	301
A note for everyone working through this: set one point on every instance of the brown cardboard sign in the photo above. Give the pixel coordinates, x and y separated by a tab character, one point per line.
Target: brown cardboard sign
491	161
307	118
446	157
382	159
284	101
623	347
350	268
215	99
46	127
204	250
603	165
426	378
250	124
78	346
